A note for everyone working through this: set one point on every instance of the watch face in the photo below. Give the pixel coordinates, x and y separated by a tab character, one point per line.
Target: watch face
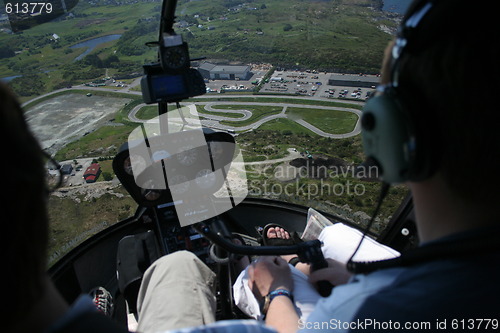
175	57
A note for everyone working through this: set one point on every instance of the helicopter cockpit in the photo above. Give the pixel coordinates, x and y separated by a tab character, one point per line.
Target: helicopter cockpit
190	186
191	182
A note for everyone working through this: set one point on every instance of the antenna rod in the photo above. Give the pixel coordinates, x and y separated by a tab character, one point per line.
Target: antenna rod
167	17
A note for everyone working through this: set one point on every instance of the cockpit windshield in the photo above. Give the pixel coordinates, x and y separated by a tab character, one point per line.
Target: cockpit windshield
286	79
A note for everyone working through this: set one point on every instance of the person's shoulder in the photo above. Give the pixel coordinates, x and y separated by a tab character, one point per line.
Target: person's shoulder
436	290
92	321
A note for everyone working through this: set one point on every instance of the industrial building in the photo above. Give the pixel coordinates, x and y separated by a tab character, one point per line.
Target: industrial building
66	169
92	173
350	80
224	72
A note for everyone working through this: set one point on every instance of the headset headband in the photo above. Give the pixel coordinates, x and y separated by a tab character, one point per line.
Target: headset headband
405	30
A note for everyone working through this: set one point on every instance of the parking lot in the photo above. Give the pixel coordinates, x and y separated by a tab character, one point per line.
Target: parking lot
302	83
75	177
311	83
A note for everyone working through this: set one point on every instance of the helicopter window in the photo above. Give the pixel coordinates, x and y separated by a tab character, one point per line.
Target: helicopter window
286	78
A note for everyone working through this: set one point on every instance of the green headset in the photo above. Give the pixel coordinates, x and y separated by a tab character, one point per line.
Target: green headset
393	139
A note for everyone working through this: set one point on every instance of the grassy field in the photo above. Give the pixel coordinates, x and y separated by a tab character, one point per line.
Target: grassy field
285	126
147	112
330	121
258	112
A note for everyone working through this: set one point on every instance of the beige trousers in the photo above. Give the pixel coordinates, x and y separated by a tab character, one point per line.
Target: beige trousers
177	291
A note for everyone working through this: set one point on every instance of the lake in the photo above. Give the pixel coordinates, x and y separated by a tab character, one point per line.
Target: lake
9	78
396	6
91	44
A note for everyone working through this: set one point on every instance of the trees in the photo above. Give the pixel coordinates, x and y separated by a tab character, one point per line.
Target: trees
28	85
6	52
93	60
107	176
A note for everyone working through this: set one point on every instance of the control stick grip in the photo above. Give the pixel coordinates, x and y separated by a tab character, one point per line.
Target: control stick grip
324	287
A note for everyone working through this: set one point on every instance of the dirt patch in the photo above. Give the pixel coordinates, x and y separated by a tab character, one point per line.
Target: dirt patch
69	117
88	193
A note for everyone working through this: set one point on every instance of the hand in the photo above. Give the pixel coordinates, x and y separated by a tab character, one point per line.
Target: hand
336	273
268	274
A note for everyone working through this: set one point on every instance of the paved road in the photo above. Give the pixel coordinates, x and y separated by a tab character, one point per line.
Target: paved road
207	96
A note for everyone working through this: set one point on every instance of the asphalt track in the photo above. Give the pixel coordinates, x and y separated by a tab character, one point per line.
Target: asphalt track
213	121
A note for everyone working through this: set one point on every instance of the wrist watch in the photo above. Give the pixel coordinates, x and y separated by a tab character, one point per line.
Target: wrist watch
269	297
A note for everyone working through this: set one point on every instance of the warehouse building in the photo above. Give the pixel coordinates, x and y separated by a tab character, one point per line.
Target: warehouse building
358	81
224	72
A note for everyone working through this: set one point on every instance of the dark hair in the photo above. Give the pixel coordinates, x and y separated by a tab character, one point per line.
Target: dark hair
452	72
24	221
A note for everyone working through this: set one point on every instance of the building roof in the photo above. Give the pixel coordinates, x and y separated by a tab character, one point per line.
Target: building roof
224	69
92	170
90	179
66	168
207	66
228	69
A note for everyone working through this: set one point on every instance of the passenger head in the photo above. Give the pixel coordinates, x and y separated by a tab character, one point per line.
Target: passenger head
24	216
449	78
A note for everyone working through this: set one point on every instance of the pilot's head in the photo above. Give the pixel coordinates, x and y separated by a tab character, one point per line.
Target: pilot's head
442	75
24	216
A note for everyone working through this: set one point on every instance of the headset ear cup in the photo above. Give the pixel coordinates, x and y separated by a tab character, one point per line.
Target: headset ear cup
386	137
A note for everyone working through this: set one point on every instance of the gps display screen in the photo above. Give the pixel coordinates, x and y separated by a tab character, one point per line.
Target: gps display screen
168	85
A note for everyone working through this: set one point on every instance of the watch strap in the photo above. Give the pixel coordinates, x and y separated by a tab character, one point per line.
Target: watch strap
269	297
294	261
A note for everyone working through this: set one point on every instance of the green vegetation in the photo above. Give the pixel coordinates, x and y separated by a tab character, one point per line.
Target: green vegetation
323	35
147	112
341	35
337	191
75	217
347	149
93	143
258	112
287	127
330	121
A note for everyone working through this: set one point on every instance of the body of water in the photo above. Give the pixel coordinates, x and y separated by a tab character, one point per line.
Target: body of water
92	44
9	78
396	6
89	44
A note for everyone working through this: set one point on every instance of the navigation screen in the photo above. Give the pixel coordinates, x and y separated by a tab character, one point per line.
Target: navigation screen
168	85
